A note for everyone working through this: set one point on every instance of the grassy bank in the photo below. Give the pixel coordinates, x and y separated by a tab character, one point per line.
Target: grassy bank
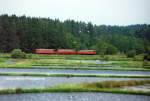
63	62
77	57
82	68
95	68
109	87
74	75
119	57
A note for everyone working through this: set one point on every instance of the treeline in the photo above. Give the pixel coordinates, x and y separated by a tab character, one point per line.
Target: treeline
29	33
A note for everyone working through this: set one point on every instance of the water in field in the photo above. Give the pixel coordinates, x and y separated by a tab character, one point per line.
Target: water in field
32	82
71	71
73	97
96	61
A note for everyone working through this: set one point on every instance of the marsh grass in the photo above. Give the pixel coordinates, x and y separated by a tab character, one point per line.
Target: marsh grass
116	84
105	86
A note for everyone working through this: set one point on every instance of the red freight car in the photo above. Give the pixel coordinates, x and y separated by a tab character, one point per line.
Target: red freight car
66	51
86	52
45	51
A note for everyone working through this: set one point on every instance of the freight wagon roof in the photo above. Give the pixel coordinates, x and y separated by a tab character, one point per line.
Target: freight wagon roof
45	49
65	50
86	50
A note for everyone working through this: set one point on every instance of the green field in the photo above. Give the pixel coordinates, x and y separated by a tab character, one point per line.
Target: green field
117	62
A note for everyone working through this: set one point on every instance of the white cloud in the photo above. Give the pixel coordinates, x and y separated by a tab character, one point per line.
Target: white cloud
114	12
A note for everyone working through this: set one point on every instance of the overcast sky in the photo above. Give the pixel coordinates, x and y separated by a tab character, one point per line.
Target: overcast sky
109	12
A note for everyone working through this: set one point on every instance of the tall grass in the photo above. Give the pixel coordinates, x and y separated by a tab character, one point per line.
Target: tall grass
116	84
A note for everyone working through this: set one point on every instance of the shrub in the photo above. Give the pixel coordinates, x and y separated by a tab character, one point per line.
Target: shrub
147	54
147	57
29	56
1	51
111	50
106	48
17	53
131	54
18	90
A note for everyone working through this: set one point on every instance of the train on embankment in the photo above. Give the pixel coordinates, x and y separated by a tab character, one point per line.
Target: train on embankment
65	52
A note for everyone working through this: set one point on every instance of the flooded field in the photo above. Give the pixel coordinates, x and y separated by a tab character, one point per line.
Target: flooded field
96	61
35	82
66	71
30	82
73	97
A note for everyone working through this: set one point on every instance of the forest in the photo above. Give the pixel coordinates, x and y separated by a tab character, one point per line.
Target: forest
30	33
